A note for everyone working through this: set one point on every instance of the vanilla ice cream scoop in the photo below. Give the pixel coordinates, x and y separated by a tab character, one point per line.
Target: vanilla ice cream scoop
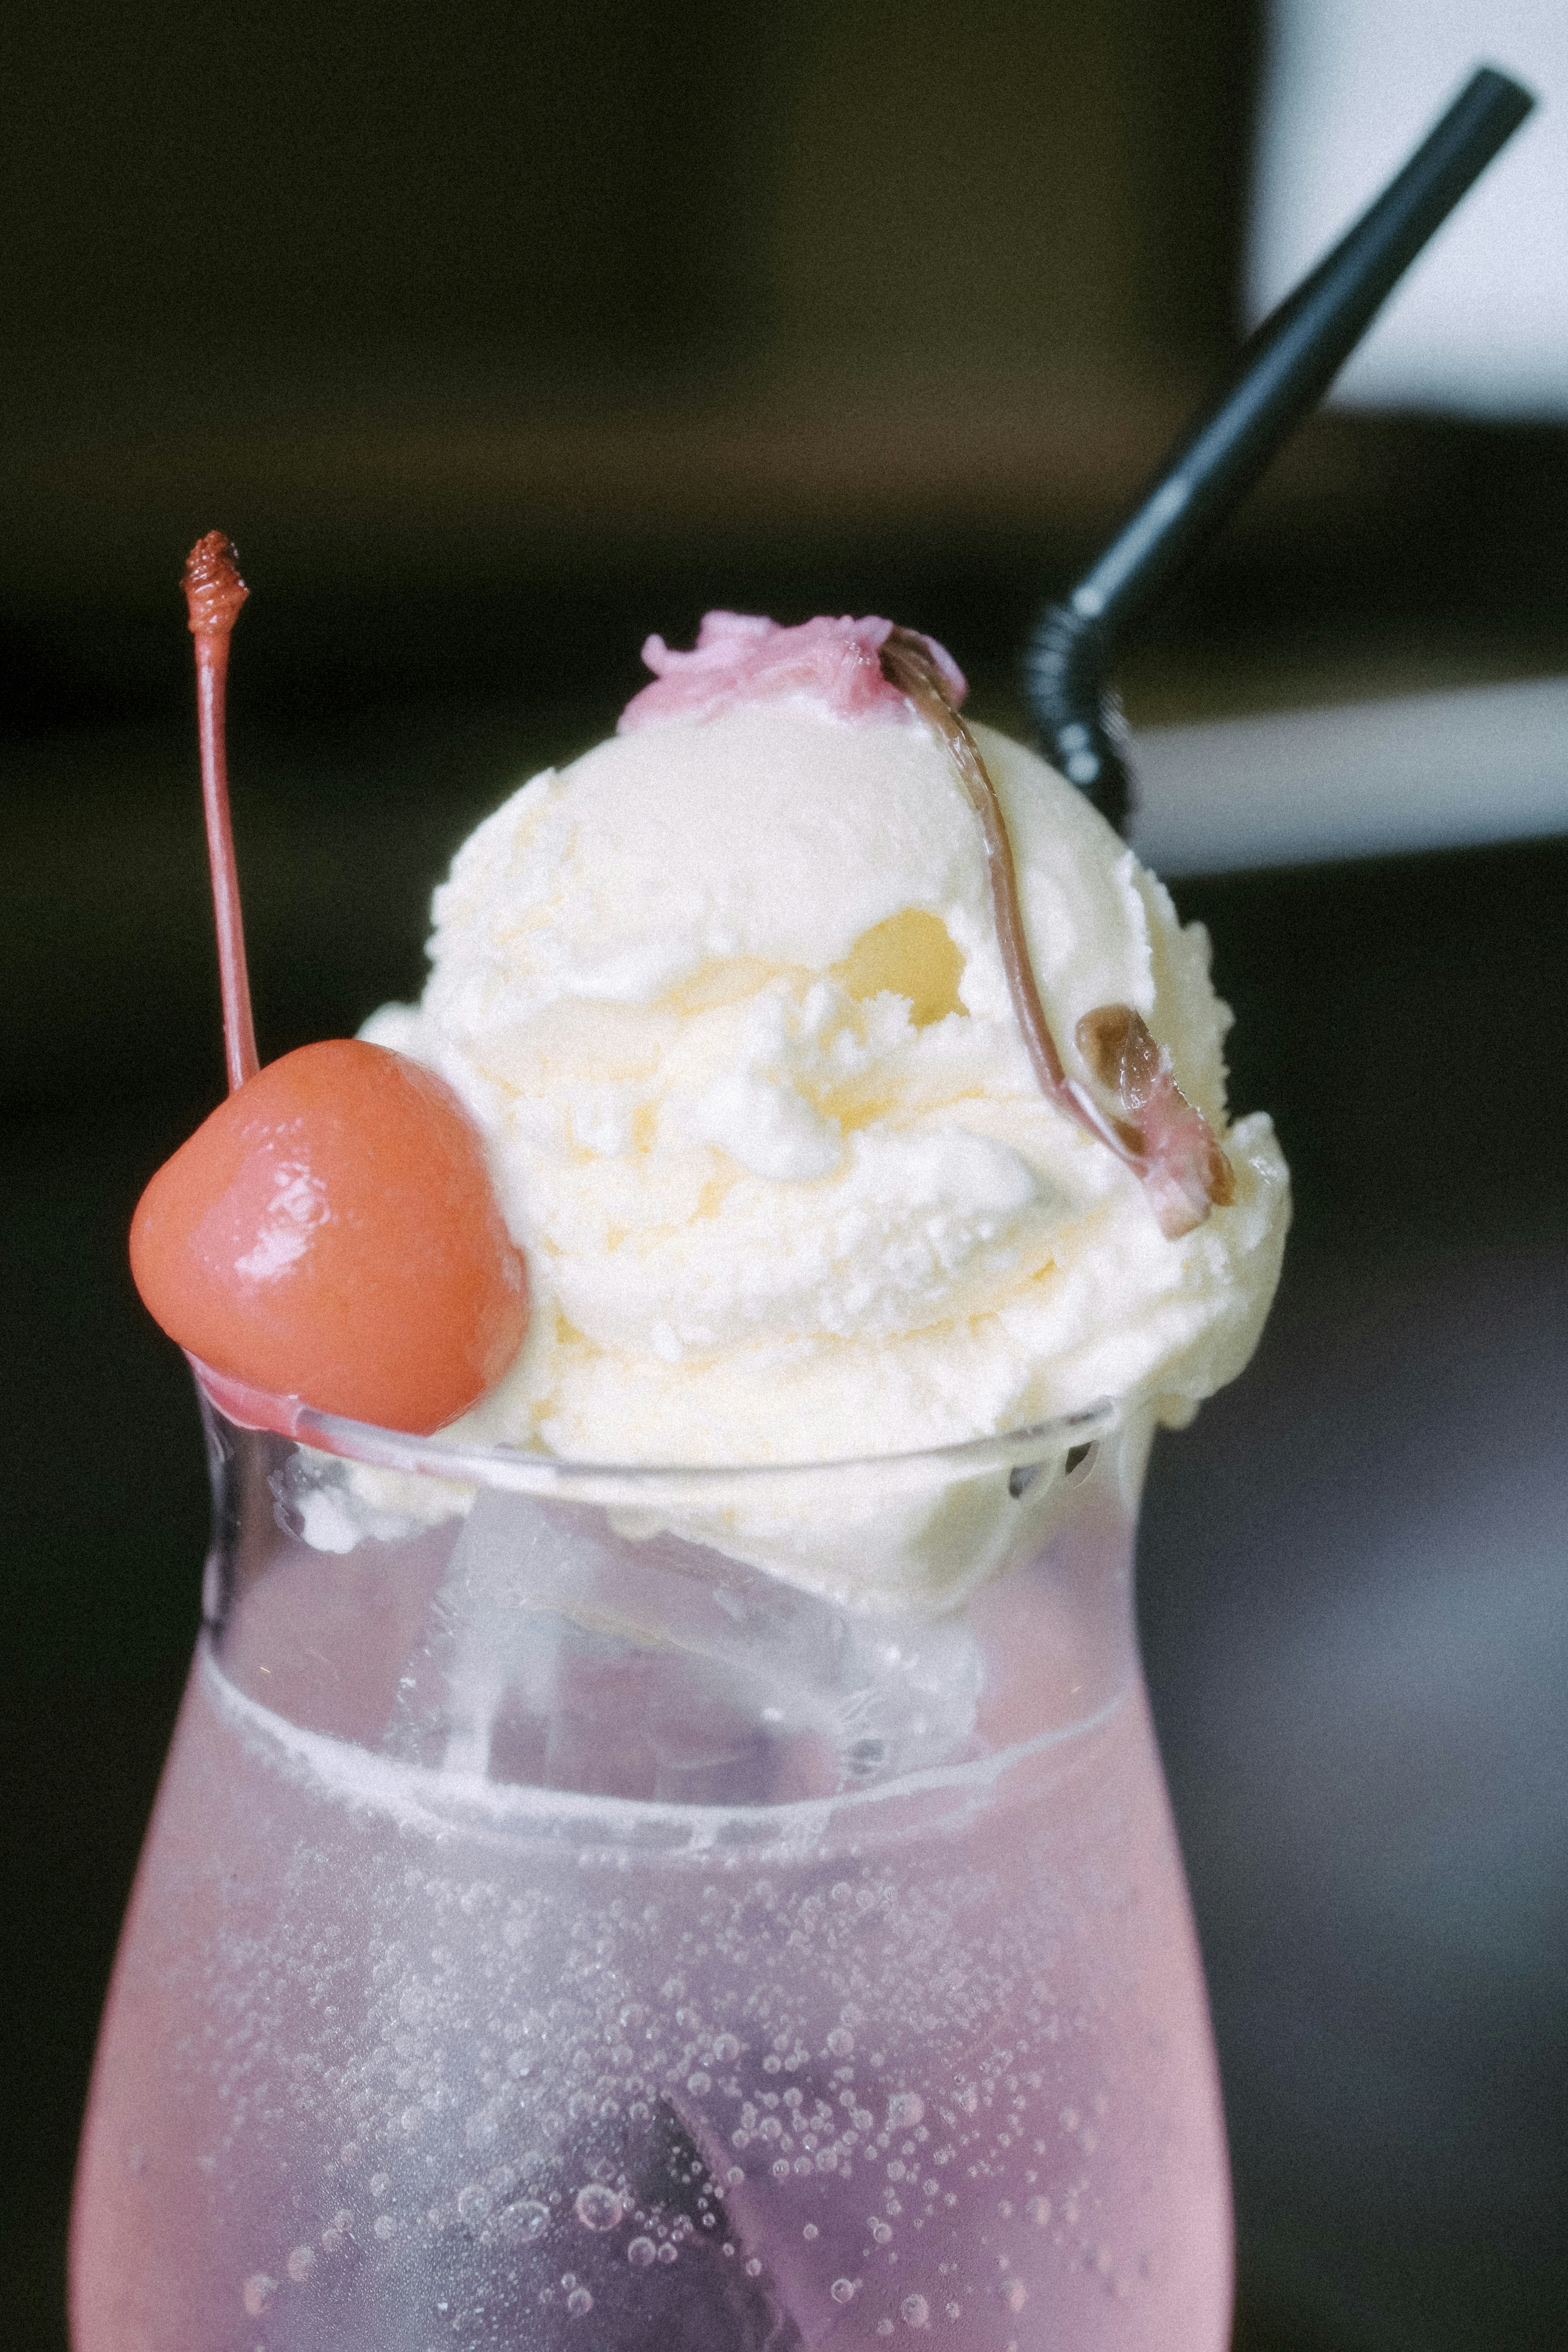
730	998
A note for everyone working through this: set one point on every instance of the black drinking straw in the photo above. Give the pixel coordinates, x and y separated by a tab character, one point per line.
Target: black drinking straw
1281	372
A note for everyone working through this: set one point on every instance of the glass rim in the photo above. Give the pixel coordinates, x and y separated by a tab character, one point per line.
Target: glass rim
518	1470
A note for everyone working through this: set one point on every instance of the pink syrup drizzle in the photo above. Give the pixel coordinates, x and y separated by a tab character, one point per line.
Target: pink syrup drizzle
1171	1148
740	657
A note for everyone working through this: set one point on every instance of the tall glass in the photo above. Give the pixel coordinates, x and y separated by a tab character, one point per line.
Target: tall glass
572	1917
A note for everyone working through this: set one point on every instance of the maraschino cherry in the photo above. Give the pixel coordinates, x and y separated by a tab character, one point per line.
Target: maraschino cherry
329	1236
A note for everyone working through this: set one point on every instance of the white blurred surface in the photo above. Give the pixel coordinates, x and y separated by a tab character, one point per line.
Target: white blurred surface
1481	322
1365	780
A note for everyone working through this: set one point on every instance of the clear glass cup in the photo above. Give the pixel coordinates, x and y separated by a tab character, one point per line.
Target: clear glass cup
573	1915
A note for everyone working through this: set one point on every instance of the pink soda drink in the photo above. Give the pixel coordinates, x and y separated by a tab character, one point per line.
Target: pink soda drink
556	1929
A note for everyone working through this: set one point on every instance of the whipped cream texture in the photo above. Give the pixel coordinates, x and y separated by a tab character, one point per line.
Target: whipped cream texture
726	997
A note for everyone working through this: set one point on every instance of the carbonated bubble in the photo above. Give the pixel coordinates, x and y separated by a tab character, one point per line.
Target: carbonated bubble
526	2221
473	2204
667	2252
300	2263
598	2208
1014	2295
1038	2210
841	2042
905	2109
639	2254
579	2303
842	2290
257	2293
916	2310
726	2049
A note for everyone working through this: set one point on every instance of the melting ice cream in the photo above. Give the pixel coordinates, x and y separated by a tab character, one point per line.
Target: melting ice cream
732	999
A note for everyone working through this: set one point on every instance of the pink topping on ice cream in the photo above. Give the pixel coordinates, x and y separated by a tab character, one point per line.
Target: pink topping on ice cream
741	658
1171	1147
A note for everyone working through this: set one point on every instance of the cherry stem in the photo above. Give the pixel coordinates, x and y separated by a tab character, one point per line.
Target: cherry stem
213	593
906	665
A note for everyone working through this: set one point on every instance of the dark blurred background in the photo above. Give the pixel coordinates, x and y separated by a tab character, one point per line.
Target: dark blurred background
498	335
